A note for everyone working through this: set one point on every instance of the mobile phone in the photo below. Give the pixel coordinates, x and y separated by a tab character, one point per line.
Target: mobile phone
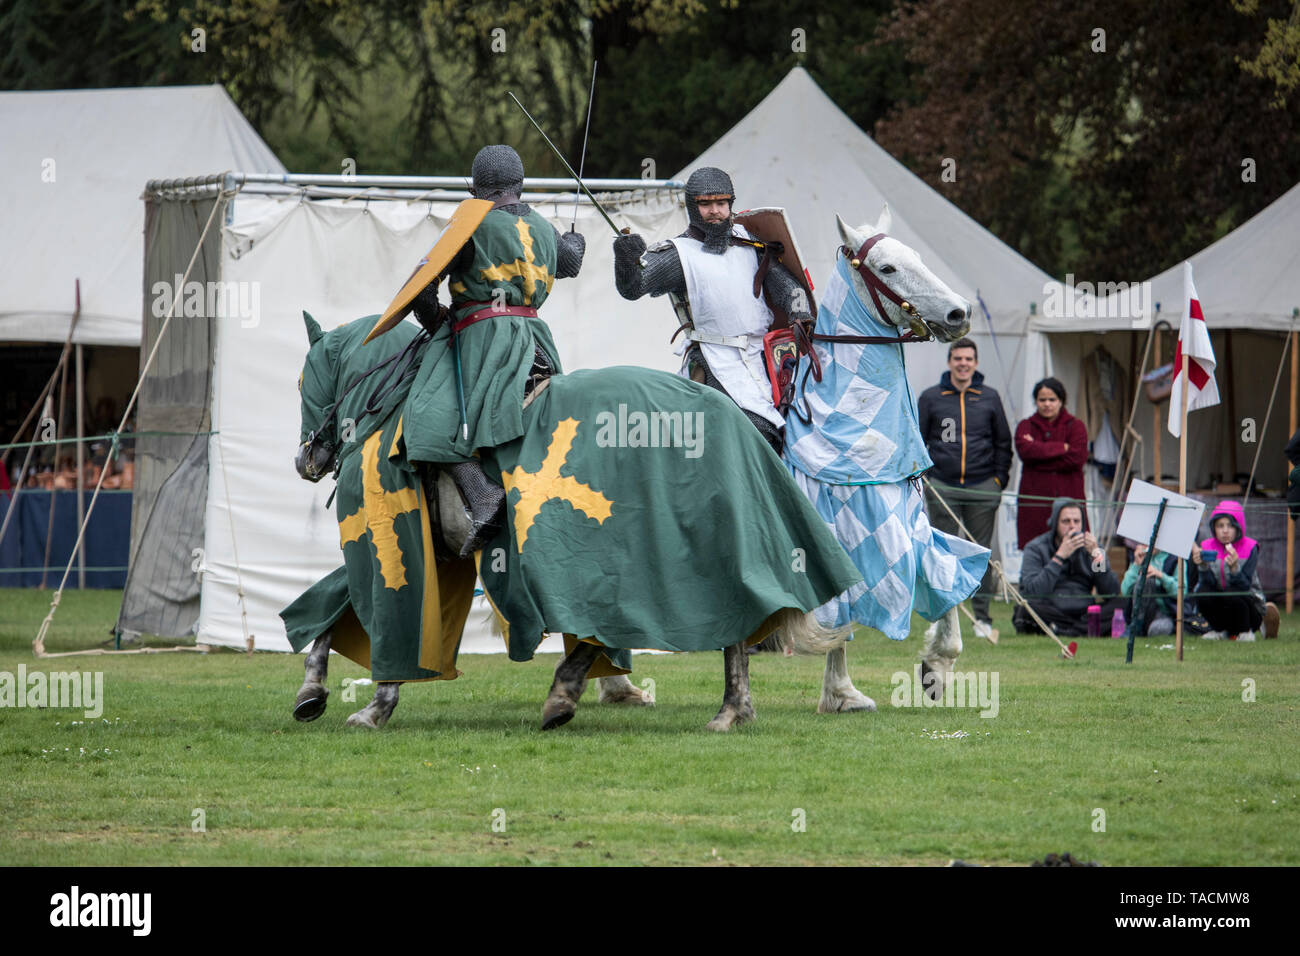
1208	556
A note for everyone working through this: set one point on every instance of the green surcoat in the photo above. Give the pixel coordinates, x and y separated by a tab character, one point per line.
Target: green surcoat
512	261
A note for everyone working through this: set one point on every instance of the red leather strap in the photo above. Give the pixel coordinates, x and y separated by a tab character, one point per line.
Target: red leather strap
488	310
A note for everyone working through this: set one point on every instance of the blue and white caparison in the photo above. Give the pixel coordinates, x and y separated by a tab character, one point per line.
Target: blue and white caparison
861	445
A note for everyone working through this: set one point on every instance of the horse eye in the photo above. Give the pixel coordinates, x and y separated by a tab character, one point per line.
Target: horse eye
888	269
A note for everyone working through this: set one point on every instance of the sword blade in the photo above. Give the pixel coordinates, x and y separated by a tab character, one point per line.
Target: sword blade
560	155
582	161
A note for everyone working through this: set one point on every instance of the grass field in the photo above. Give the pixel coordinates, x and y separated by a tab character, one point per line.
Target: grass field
1184	770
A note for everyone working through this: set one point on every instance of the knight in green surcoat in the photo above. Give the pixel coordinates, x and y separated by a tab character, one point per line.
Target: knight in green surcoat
499	348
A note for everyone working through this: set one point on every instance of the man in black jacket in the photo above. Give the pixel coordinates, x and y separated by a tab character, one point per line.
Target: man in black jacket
966	433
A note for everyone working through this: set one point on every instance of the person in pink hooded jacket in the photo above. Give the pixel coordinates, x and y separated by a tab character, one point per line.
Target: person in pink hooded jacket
1224	581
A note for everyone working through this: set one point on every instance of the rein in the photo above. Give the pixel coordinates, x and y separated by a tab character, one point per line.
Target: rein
403	365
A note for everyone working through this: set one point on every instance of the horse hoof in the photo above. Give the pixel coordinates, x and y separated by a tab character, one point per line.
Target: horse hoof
362	719
558	715
856	702
311	702
626	694
730	717
932	681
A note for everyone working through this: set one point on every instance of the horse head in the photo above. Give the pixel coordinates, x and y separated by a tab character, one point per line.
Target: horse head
901	279
317	386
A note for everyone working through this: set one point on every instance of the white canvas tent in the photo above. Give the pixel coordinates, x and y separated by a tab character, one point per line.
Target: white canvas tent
797	149
258	535
71	172
1249	286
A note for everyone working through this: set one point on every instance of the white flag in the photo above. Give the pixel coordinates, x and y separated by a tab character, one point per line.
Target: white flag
1194	340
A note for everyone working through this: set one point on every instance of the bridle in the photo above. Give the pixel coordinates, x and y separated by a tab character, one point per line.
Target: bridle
319	454
877	287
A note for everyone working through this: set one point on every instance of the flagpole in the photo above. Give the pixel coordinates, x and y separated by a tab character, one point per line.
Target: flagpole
1182	489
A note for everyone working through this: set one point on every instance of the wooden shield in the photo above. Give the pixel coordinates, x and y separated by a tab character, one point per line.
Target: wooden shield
457	232
769	224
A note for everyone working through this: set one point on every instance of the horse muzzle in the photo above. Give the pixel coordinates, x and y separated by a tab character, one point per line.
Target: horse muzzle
315	458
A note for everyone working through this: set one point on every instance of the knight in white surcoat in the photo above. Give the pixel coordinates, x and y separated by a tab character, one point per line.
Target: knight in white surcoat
721	285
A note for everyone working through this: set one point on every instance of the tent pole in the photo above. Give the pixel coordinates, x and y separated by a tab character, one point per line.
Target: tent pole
1290	525
54	492
81	458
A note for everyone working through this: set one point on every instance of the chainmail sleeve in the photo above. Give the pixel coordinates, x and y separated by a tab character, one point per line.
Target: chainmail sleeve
571	246
640	271
783	289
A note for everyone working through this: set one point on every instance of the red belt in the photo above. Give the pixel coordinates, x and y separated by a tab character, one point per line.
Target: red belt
488	310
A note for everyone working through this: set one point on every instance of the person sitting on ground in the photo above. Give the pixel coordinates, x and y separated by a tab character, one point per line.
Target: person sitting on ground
1223	578
1059	573
1159	595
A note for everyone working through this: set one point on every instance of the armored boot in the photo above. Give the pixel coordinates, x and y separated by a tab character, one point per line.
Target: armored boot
484	504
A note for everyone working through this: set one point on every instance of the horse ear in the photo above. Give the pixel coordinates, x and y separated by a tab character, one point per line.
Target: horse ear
885	221
848	234
314	333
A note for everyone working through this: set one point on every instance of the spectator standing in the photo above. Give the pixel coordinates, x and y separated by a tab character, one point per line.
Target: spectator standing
1053	446
966	433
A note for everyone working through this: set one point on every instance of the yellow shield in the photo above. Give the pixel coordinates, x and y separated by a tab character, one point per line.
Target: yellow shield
457	232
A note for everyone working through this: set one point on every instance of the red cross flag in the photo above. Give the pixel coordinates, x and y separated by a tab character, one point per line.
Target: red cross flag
1194	341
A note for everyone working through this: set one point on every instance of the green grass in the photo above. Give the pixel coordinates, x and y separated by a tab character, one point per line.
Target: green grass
1186	772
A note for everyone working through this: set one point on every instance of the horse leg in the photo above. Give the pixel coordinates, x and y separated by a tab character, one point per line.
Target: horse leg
376	713
570	681
839	696
620	690
737	708
313	692
940	654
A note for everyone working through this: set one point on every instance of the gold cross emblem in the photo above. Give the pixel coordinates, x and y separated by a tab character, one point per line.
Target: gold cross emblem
377	513
546	484
527	268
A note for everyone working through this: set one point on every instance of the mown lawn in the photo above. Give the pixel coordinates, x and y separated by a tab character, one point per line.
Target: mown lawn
1184	769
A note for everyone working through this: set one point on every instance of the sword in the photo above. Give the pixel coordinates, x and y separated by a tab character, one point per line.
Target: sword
582	163
581	184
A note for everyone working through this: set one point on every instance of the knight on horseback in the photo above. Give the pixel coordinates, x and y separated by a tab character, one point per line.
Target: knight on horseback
717	285
498	281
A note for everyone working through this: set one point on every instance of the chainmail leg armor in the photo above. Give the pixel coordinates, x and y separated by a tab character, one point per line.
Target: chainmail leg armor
485	501
710	181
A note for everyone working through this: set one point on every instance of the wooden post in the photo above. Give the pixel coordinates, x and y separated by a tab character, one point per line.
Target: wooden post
1290	525
1155	422
81	465
1182	490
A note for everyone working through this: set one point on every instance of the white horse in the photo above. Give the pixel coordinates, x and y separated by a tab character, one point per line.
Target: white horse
854	446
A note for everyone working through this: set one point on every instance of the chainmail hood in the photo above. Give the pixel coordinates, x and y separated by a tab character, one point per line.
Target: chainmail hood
710	181
498	171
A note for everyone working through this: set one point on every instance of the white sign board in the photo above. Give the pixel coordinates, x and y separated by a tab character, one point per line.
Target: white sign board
1177	528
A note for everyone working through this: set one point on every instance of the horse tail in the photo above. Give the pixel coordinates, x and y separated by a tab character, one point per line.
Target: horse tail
800	633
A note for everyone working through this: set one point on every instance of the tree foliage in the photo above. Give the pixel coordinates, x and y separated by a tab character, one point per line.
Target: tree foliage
1104	139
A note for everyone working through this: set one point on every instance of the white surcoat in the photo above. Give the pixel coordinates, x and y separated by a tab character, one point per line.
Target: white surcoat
720	289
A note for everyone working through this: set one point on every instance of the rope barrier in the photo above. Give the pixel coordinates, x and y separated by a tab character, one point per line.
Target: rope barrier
218	203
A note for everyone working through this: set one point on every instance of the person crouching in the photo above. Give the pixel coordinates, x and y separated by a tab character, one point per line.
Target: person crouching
1059	573
1223	578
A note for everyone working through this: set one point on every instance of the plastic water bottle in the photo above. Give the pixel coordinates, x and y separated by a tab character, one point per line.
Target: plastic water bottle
1117	625
1094	620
